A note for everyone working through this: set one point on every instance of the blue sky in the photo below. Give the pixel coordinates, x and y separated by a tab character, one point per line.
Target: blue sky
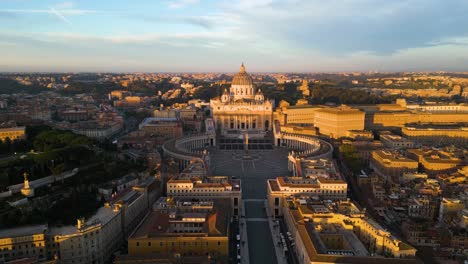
204	35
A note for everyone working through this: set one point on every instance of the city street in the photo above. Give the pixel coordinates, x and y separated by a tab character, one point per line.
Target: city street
254	172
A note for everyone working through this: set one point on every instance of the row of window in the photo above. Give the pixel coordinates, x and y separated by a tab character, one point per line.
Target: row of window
20	254
25	246
199	190
161	244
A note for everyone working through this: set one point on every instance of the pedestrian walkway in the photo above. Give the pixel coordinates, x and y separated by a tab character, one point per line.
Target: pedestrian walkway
275	234
244	243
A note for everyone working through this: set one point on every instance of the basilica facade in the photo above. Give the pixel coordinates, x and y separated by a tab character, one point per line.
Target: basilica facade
242	109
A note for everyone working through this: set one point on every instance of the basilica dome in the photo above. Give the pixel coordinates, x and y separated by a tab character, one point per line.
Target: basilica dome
242	86
242	78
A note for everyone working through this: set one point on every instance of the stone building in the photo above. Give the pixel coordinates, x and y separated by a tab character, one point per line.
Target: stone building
336	122
242	109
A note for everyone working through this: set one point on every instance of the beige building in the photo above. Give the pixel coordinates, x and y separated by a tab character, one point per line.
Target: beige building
449	209
298	130
435	161
360	134
393	141
129	101
296	115
23	242
391	119
165	113
91	241
96	239
194	183
165	127
242	109
98	130
12	133
421	208
437	134
183	227
325	232
119	94
336	122
279	189
391	163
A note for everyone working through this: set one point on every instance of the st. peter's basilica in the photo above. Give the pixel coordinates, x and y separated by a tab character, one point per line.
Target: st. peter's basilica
242	110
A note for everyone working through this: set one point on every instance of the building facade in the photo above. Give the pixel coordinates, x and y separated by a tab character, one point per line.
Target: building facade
325	232
183	227
23	242
391	163
12	133
336	122
242	109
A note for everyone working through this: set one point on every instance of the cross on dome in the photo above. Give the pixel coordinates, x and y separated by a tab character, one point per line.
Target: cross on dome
242	68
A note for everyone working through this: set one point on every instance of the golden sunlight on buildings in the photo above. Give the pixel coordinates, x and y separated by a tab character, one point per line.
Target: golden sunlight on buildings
182	227
326	232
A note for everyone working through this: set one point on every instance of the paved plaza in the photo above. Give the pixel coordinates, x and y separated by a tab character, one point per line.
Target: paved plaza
253	171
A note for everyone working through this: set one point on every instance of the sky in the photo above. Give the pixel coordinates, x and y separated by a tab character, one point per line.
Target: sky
218	35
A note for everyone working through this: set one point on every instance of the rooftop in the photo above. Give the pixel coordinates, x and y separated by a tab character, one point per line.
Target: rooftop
327	231
23	231
214	220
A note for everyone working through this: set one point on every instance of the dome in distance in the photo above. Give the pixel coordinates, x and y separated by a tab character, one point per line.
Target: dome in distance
242	78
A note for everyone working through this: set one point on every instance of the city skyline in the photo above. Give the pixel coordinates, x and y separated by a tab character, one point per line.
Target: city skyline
212	36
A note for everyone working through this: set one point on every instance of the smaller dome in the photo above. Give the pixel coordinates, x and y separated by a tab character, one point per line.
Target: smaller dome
225	96
259	96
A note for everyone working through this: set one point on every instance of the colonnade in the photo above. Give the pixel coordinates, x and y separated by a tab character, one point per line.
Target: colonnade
305	146
188	148
191	143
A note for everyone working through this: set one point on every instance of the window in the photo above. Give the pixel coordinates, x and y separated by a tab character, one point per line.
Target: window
138	244
149	244
276	201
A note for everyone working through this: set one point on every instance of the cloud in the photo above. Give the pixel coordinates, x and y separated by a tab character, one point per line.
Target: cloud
196	39
182	3
60	16
207	22
48	11
346	26
275	35
65	5
60	11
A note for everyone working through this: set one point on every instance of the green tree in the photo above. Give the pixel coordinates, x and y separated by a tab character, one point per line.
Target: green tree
351	158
